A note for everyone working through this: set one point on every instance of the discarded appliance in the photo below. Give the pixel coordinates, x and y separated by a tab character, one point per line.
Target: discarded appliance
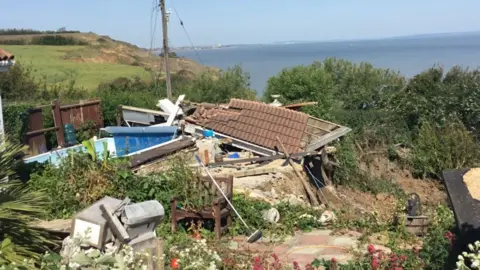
113	220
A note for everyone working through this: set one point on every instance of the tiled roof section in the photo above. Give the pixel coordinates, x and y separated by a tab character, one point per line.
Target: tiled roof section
4	55
257	123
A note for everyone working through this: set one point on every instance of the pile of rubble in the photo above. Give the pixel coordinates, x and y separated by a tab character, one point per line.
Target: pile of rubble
261	145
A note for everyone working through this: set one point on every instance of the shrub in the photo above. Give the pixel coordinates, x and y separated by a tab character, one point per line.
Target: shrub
15	118
18	84
447	147
19	206
216	87
56	40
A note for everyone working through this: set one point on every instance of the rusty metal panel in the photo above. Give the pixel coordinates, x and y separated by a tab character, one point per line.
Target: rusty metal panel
36	142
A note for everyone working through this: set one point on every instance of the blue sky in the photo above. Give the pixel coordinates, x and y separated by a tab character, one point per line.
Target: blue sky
247	21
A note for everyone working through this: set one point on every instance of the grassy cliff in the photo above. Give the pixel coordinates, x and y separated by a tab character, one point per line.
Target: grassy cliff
92	60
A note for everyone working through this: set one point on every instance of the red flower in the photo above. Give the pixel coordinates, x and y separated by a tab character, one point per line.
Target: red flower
275	257
296	266
175	263
371	249
375	263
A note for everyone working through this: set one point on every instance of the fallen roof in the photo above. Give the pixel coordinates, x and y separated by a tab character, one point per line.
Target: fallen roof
6	60
4	55
259	123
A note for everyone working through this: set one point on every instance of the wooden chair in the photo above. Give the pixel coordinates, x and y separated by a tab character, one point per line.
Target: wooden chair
218	210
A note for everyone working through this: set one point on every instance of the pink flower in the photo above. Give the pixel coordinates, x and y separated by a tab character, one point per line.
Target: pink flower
371	249
296	266
375	263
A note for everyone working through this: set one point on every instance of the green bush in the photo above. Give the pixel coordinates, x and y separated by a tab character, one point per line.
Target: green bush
213	87
18	84
56	40
15	117
438	148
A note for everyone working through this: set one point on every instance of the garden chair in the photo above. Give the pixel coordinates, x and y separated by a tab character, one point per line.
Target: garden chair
216	207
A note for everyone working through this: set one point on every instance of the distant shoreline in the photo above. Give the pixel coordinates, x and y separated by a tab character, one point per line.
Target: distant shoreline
406	37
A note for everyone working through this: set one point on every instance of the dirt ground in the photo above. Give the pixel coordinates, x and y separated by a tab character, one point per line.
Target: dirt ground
278	185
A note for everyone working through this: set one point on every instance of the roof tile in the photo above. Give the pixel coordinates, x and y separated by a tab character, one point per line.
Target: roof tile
256	122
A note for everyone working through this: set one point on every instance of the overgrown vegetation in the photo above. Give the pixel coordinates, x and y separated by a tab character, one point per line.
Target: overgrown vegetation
426	124
20	205
23	31
434	113
21	91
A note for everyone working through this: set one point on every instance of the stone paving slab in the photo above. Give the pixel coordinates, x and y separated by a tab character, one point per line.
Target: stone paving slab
305	247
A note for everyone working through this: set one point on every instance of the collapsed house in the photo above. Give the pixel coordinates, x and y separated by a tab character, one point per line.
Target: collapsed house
254	126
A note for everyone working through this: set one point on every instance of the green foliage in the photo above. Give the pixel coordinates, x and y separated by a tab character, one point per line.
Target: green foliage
436	246
19	206
23	31
218	88
448	147
56	40
18	84
15	117
438	97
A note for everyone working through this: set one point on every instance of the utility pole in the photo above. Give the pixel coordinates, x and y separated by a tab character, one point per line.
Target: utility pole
165	47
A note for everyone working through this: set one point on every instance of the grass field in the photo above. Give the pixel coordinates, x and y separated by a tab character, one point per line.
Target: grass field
47	64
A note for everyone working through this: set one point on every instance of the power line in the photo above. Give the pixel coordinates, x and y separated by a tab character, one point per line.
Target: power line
186	33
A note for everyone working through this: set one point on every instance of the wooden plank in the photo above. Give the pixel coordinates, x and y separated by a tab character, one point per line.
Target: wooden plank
328	138
81	104
260	159
251	172
41	131
313	198
57	120
36	140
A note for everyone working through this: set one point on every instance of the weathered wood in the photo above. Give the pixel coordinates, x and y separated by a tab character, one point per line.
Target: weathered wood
41	131
311	195
259	159
57	120
333	135
251	172
417	225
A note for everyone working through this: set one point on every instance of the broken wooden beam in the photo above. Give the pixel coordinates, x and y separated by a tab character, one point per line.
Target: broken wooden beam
311	195
260	159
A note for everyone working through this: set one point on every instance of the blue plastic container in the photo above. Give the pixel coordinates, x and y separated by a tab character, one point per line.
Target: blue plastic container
207	133
133	139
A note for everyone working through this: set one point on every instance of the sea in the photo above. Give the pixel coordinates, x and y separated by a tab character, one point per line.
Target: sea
408	55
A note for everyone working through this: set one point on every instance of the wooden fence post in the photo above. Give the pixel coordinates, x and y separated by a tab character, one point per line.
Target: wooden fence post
57	120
